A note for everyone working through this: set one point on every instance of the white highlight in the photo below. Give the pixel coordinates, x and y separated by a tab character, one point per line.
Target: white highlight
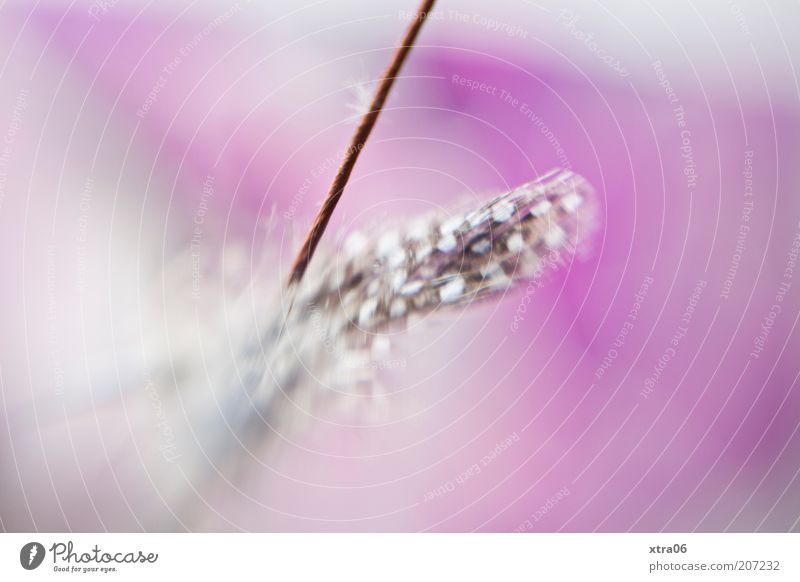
515	243
502	211
554	237
398	308
571	202
447	244
541	208
450	225
367	312
452	290
388	243
355	244
481	246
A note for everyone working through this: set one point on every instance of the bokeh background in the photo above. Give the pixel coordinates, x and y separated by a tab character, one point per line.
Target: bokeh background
652	384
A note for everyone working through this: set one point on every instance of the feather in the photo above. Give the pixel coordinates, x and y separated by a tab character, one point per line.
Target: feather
282	365
375	284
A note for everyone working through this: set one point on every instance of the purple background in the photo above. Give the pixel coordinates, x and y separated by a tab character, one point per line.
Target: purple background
96	192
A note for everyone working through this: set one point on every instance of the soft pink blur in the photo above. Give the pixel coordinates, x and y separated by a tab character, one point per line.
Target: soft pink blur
259	103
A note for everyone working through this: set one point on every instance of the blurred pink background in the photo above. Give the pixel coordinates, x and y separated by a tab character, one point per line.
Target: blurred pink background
652	385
